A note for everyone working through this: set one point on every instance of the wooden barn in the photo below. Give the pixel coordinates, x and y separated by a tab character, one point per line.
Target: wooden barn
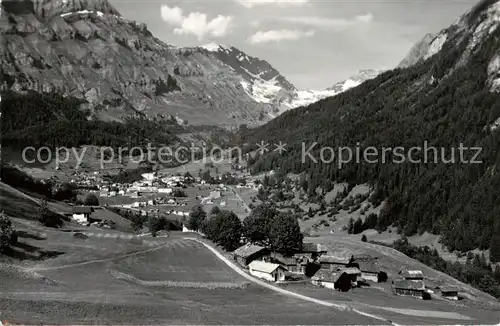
244	255
449	292
333	263
370	272
411	288
412	275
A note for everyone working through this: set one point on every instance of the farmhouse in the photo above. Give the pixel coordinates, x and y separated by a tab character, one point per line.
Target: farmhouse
449	292
413	275
267	271
82	213
370	272
410	288
336	281
244	255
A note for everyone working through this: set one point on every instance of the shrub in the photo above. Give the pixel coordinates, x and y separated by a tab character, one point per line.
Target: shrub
7	234
47	217
91	200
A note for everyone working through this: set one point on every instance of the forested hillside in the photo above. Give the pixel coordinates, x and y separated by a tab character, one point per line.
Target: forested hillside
445	101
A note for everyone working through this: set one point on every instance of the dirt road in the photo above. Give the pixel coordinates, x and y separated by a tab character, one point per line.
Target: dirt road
340	307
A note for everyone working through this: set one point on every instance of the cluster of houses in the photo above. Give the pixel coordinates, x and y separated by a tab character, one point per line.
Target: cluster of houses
331	272
412	283
312	262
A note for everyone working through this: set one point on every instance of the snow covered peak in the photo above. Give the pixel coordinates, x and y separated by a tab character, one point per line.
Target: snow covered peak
214	47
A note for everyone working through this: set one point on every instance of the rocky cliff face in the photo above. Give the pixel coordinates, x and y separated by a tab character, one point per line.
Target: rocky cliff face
474	26
86	49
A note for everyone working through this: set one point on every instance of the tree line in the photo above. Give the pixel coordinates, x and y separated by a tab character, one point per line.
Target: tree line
264	226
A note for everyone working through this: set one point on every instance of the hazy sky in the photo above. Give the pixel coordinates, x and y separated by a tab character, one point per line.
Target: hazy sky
313	43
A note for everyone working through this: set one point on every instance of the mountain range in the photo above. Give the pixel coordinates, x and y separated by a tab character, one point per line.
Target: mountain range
87	50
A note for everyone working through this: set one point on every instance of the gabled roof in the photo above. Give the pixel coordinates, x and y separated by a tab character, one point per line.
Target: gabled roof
350	270
408	284
326	276
264	267
368	267
248	250
411	273
333	260
82	210
448	288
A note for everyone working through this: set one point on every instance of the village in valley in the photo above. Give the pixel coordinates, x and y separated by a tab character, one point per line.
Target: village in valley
174	196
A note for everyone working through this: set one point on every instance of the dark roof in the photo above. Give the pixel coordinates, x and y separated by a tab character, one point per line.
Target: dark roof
405	273
369	267
408	285
350	270
333	260
447	288
312	247
326	276
248	250
82	210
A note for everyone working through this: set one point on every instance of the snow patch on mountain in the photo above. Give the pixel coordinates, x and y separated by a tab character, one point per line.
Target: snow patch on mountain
82	12
214	47
262	91
436	45
306	97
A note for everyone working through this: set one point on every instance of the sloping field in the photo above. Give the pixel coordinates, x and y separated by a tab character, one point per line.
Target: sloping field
392	261
98	293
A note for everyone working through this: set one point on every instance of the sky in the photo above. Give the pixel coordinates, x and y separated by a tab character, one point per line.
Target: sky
313	43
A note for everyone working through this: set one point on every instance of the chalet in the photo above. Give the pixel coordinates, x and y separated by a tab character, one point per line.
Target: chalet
332	263
415	288
244	255
82	213
267	271
336	281
449	292
412	275
370	272
292	264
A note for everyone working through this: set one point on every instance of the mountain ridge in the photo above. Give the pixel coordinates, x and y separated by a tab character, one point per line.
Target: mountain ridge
446	100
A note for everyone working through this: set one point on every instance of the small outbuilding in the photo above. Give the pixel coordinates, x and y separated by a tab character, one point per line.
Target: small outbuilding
267	271
449	292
